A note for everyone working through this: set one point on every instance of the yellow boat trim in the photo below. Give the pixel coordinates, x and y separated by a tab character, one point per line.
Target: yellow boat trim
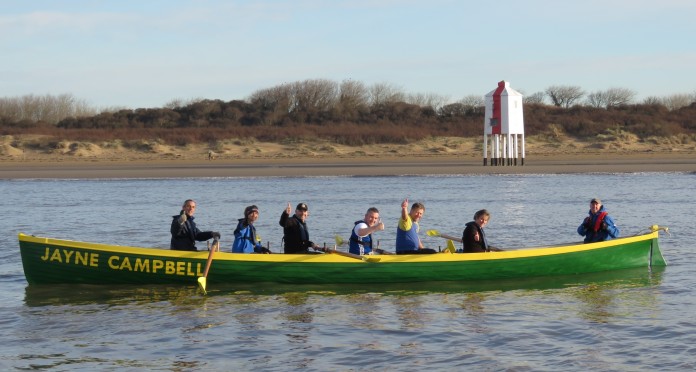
328	258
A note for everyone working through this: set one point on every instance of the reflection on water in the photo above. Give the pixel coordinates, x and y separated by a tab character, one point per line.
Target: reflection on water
410	311
596	303
472	304
628	319
296	296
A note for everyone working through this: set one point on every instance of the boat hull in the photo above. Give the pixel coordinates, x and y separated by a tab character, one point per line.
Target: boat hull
47	260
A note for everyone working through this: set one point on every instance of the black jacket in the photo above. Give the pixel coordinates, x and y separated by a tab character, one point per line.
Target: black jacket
184	235
295	234
470	244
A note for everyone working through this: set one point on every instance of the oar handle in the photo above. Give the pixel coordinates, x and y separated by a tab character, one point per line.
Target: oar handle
215	246
450	237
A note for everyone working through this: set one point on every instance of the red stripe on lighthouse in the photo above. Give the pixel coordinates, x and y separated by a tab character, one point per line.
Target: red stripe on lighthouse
497	115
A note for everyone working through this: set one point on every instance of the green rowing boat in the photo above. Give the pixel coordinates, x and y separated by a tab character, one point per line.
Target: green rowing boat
52	261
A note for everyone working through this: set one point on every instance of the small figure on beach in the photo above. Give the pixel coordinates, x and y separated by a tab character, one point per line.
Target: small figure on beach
184	230
474	237
407	240
598	226
245	238
295	233
361	237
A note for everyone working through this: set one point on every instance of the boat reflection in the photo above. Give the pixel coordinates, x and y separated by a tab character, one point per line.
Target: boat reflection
584	285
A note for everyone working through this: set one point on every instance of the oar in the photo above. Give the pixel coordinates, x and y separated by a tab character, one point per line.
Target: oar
347	254
437	234
450	247
380	250
202	281
340	242
450	237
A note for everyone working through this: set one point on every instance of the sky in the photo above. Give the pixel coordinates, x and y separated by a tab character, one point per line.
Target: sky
146	53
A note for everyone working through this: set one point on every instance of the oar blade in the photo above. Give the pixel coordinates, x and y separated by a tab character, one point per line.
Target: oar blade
432	233
371	258
202	283
339	240
450	247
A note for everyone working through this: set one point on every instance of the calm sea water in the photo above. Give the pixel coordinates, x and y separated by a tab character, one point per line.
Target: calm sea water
631	320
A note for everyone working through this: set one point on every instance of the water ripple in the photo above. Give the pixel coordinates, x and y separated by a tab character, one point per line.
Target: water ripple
633	320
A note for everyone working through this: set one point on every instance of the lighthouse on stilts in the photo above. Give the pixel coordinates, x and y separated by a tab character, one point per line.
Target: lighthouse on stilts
503	133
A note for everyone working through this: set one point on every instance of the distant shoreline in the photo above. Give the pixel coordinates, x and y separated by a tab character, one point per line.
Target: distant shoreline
343	166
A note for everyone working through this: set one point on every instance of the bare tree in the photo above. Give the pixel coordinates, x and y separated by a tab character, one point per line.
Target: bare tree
611	97
535	98
652	100
597	99
619	96
564	95
353	94
353	97
473	100
49	109
473	103
180	102
316	95
677	101
10	109
452	110
431	100
383	93
280	98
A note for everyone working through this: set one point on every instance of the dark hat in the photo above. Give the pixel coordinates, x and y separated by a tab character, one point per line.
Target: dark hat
596	200
250	209
302	207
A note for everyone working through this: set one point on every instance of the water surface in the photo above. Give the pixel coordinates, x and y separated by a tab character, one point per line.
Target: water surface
625	320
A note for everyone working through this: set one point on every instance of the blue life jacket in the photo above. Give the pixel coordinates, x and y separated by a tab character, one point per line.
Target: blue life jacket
356	241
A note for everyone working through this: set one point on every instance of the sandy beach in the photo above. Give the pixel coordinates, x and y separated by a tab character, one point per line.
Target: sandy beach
235	158
328	166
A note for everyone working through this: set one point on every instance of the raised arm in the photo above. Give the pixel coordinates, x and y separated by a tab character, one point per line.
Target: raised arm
404	209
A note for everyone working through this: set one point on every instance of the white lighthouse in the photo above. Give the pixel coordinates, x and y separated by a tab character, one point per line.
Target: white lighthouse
503	128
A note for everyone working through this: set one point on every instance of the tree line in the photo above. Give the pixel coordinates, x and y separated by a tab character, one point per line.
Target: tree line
348	112
47	108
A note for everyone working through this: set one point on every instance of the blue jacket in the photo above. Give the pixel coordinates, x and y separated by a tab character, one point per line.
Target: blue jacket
598	227
245	238
356	241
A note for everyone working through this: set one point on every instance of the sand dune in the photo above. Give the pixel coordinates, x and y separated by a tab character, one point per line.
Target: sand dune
34	157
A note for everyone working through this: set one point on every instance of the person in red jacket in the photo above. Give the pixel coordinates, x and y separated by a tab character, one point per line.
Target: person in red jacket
598	226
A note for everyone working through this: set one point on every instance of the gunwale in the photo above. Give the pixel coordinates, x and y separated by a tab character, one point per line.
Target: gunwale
634	251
